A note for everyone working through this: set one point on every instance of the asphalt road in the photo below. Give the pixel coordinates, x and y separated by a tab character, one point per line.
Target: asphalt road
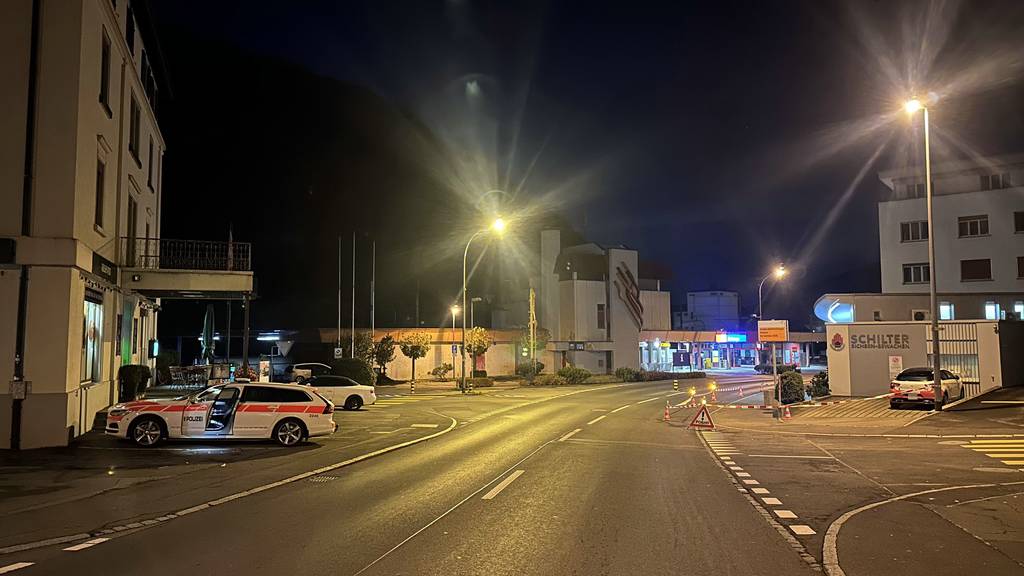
538	482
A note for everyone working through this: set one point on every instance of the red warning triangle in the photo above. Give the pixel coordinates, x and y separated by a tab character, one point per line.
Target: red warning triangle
702	419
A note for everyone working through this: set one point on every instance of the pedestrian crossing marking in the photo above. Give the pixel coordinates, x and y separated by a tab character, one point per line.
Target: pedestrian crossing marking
1000	449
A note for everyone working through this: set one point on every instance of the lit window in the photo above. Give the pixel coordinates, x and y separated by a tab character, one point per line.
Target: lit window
1018	309
946	311
991	310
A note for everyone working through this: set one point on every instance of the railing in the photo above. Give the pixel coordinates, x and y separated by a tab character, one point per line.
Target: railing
168	254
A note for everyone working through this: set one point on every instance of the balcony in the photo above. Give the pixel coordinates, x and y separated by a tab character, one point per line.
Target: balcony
168	268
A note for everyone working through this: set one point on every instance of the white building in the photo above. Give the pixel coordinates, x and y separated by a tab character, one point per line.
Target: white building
81	260
595	302
709	310
979	245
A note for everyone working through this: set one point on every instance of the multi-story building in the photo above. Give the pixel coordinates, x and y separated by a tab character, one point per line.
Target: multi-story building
709	310
979	245
81	260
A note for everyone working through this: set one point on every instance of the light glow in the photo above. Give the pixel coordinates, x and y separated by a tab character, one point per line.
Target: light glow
912	106
780	271
498	225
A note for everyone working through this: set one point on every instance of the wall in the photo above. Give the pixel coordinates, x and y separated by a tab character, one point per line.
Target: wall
579	310
499	361
989	373
657	310
1002	245
623	329
549	291
714	310
900	307
857	369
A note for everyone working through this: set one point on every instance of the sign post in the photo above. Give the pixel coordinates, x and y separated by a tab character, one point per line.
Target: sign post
774	331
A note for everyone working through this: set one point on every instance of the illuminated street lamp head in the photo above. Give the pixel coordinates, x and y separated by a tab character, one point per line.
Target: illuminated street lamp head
780	271
912	106
455	310
498	225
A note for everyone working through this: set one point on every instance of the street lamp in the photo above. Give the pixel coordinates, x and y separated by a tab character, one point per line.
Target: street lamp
778	273
472	310
912	106
455	312
498	227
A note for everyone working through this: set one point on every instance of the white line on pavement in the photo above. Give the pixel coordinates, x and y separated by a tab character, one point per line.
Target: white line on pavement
504	484
743	474
596	420
772	501
648	400
760	491
424	425
787	514
619	408
1002	401
790	456
569	435
802	530
749	482
85	545
15	566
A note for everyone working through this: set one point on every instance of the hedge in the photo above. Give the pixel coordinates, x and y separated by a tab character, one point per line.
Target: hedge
354	368
781	368
792	387
549	380
574	374
480	382
819	385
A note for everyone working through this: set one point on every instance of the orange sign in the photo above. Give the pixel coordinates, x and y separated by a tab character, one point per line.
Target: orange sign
773	331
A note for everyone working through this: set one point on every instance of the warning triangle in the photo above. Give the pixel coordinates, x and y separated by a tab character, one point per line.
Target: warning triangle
702	419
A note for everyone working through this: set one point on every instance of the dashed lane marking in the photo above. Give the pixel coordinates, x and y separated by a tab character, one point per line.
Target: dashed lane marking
802	530
619	408
760	491
15	566
84	545
772	501
596	420
425	425
569	435
750	482
502	485
786	514
790	456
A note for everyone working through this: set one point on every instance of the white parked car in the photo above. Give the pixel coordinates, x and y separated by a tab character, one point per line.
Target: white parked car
288	413
914	386
304	371
343	391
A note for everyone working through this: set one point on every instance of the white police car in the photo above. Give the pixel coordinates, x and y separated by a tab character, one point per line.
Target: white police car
288	413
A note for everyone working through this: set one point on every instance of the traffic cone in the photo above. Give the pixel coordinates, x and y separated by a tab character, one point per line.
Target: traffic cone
786	415
741	391
667	416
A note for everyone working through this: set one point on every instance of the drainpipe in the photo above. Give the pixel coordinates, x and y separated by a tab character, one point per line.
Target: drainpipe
26	223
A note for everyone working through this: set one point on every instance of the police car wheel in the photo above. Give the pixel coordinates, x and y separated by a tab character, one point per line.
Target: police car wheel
353	403
288	432
146	432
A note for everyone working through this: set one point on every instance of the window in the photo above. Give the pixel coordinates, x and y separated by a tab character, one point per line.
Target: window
600	317
877	315
105	73
1018	309
92	327
995	181
272	395
971	270
149	165
135	335
946	311
133	230
913	231
916	273
1018	221
991	310
973	226
119	334
130	31
133	130
1020	266
101	179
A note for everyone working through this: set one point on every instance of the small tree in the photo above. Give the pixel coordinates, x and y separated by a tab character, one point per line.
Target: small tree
363	344
542	336
384	353
478	340
414	345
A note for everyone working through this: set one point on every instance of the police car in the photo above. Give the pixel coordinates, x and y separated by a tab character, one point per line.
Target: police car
288	413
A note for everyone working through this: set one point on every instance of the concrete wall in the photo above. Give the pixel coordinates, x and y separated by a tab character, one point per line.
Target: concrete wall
1002	245
578	319
859	365
901	307
548	290
498	361
623	329
715	309
657	310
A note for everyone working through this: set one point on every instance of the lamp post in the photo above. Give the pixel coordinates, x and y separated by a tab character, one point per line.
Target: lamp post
472	310
912	106
778	273
498	227
455	312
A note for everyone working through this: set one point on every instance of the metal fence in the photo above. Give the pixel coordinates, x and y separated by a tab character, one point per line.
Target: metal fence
169	254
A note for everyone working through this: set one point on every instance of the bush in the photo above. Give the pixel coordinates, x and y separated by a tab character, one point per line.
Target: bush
603	379
441	372
504	378
627	374
480	382
354	368
781	368
656	375
574	375
792	387
479	373
549	380
132	380
819	385
526	371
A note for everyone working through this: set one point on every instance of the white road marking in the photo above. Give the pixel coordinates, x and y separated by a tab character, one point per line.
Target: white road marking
648	400
385	432
749	482
569	435
599	410
596	420
760	491
743	474
737	468
790	456
424	425
504	483
84	545
620	408
15	566
784	514
1002	401
772	501
802	530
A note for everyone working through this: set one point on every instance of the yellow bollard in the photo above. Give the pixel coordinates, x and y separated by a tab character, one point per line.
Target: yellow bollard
675	385
412	386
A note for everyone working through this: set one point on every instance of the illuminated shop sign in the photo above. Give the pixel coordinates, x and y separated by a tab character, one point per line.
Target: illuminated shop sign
880	341
722	337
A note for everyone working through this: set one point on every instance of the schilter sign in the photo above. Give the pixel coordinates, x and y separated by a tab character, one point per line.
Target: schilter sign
880	341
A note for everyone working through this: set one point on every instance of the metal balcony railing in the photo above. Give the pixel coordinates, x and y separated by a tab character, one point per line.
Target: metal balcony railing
168	254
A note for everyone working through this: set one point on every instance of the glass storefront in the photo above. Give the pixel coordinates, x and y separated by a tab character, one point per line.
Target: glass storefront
92	336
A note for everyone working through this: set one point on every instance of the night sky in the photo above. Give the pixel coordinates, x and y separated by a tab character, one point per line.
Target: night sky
716	137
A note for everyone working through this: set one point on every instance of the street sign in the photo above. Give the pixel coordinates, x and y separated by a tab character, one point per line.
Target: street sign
455	349
338	353
773	330
895	366
702	419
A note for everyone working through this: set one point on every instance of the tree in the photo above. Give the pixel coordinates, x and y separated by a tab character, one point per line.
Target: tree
384	353
542	336
414	345
364	345
478	340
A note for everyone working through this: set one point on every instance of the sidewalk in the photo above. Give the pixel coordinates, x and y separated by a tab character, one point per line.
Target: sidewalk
442	386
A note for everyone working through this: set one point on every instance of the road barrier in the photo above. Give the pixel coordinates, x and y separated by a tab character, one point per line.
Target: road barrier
675	385
667	416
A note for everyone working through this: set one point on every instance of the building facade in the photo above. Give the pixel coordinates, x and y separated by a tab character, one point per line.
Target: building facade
80	179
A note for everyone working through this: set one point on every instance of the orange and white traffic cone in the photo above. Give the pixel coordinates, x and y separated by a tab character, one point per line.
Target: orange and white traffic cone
741	391
667	416
786	414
